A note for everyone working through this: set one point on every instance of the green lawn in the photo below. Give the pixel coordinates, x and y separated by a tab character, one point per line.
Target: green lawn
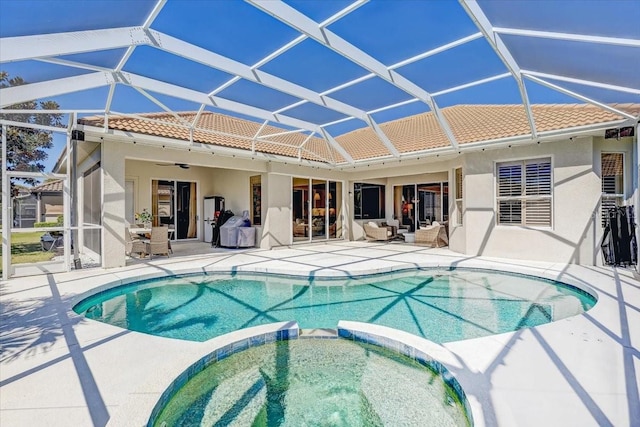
26	248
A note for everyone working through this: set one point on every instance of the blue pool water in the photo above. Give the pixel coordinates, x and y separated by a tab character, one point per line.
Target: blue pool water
440	305
315	382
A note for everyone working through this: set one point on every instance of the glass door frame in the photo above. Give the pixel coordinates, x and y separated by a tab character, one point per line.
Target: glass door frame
174	204
408	207
320	204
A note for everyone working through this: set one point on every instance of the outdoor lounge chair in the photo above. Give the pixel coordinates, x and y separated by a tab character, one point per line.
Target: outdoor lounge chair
374	232
432	235
133	245
159	242
299	229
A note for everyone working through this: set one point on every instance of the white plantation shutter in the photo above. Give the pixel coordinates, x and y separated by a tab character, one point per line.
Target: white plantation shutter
525	193
538	212
509	180
612	165
510	212
538	179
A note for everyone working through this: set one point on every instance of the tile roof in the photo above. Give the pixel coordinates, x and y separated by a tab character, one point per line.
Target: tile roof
48	187
216	129
468	123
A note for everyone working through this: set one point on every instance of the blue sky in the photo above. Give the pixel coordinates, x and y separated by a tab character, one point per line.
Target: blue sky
390	31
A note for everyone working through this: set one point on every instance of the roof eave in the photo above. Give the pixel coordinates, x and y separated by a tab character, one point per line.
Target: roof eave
155	141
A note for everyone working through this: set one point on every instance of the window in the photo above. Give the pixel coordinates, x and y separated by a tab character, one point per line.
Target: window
368	201
612	182
255	183
458	195
524	193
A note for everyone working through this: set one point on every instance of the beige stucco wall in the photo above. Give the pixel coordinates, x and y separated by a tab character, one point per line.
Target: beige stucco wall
277	221
113	173
576	193
574	236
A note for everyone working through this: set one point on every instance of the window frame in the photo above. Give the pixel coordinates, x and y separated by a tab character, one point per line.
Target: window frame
523	198
459	198
358	187
255	202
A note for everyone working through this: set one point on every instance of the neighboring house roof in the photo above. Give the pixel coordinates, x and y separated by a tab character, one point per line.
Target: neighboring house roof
48	187
468	123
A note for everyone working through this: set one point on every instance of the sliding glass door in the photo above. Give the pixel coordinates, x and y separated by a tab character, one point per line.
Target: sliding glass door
174	204
316	209
421	204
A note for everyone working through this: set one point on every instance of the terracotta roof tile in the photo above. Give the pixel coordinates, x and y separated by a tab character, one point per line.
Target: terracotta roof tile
221	127
49	186
468	123
362	144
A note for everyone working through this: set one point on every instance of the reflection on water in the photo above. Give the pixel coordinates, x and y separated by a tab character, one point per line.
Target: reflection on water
447	306
315	382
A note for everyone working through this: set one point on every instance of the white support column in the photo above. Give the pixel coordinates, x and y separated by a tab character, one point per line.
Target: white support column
66	209
6	218
113	212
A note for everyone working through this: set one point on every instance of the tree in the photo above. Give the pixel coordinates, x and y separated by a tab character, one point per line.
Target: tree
27	148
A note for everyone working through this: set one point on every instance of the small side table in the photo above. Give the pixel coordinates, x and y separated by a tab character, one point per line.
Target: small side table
410	237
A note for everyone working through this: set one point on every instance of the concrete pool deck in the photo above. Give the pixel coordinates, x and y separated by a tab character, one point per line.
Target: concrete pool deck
59	368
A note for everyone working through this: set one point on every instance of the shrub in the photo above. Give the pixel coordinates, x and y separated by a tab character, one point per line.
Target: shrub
58	223
46	224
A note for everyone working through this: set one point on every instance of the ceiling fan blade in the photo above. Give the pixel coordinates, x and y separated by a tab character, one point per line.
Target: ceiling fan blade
180	165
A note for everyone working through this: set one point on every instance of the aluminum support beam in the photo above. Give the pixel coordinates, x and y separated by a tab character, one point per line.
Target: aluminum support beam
222	63
59	44
580	97
477	15
617	41
386	141
201	98
17	94
66	208
305	25
6	211
582	82
332	142
147	23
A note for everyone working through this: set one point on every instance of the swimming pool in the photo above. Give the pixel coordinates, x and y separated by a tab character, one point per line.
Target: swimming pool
437	304
315	382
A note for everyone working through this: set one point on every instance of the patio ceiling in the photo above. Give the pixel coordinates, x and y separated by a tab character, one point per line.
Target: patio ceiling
320	69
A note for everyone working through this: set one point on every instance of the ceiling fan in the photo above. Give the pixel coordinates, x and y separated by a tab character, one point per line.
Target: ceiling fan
180	165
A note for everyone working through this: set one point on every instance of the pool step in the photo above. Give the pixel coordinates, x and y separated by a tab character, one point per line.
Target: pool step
325	333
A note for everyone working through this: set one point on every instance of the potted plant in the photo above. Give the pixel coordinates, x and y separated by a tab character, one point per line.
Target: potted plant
145	218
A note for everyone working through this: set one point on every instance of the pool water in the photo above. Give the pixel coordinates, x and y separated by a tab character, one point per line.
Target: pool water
440	305
315	382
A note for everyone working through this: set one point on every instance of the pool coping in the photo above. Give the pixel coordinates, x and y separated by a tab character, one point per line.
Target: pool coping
393	339
581	369
144	410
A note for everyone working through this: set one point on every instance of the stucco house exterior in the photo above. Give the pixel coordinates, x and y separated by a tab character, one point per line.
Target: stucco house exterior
502	192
